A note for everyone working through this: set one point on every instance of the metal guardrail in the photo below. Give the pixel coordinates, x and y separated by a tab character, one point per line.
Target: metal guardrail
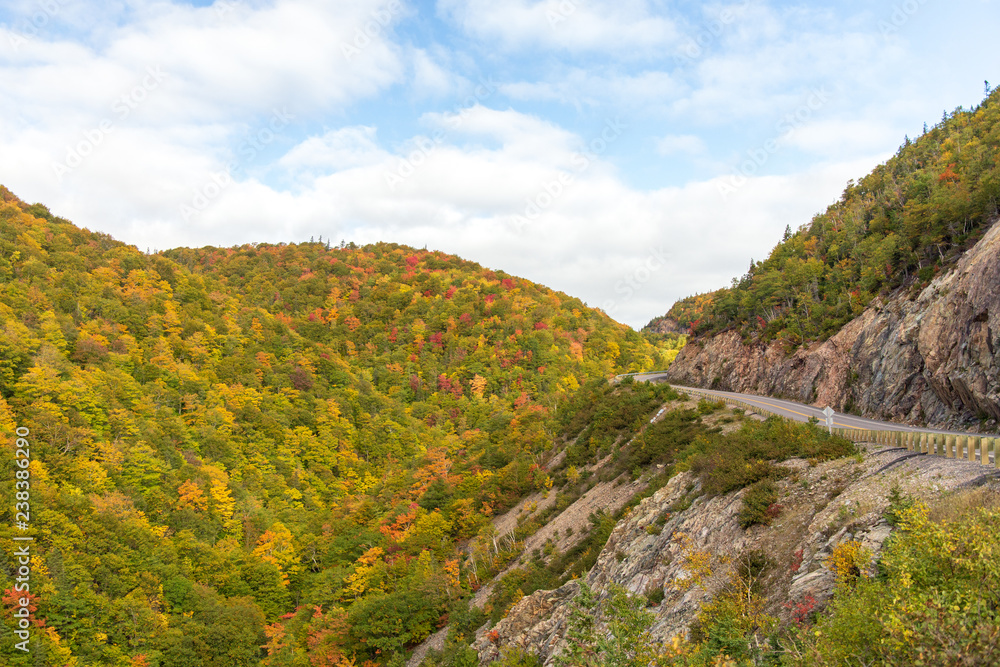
952	446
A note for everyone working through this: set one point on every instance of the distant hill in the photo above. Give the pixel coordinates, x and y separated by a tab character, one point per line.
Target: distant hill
239	455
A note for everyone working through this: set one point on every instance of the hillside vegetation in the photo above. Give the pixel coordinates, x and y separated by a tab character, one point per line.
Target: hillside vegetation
900	225
269	454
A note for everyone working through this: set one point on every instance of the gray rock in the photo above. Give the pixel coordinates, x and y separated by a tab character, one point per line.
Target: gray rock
797	544
935	359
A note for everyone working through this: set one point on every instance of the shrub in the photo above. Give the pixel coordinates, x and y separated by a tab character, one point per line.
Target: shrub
848	561
898	504
756	502
936	601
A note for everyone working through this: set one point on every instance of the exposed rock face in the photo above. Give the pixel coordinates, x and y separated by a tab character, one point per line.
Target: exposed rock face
658	543
935	359
665	325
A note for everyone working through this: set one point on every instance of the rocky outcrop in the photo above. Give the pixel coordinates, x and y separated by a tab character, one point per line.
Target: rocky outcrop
665	542
934	359
665	325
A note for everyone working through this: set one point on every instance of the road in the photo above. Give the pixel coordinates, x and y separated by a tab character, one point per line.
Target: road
801	412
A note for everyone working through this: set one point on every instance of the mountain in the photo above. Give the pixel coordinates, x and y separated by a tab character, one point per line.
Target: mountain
298	455
268	454
886	304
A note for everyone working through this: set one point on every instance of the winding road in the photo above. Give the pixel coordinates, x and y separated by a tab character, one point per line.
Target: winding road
799	411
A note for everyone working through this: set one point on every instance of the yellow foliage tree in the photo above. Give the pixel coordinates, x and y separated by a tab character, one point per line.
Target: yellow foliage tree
223	504
367	574
191	496
478	385
276	546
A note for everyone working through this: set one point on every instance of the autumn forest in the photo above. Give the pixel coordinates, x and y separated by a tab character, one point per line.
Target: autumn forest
271	454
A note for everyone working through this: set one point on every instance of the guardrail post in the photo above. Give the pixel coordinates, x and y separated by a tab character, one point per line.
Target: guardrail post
949	446
924	444
973	441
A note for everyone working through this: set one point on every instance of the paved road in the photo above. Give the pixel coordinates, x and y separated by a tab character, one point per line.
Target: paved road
801	412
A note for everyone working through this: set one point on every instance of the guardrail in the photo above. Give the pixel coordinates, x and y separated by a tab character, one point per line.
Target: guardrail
949	445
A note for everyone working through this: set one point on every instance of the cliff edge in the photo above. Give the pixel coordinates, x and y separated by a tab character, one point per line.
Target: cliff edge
932	359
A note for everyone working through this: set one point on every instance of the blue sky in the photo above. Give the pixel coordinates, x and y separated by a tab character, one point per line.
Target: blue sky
629	153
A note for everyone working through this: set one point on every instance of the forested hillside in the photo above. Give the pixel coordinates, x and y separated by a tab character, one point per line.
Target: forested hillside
900	225
269	454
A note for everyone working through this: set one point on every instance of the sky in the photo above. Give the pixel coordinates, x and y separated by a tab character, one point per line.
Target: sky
629	153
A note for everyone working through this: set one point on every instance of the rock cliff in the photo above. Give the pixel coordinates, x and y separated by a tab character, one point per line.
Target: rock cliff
665	325
931	359
665	543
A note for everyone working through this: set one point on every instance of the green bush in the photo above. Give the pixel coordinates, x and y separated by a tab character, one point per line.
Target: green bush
757	502
936	601
739	459
898	504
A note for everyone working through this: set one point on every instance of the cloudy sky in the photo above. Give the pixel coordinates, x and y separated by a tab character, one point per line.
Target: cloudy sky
628	152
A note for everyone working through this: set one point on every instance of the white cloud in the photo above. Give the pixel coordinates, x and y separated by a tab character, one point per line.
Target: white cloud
143	113
429	77
595	237
337	149
628	27
680	143
594	87
839	137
